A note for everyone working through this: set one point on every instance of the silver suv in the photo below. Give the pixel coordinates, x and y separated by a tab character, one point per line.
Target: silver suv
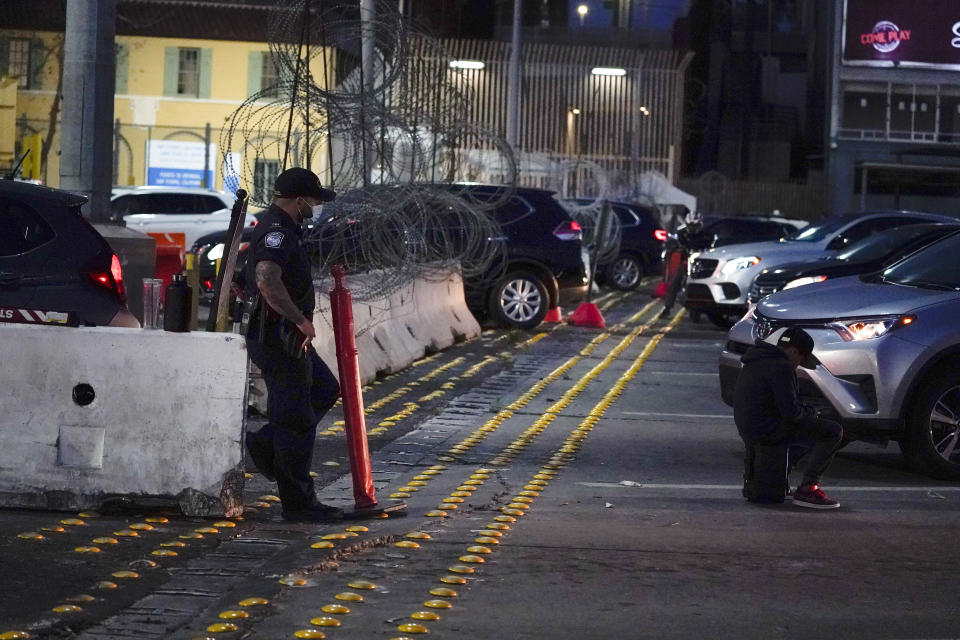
887	347
720	278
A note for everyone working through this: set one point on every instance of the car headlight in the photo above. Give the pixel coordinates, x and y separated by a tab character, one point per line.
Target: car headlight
738	264
215	253
799	282
869	328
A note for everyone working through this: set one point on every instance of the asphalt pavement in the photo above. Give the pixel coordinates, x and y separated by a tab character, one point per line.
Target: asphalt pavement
562	483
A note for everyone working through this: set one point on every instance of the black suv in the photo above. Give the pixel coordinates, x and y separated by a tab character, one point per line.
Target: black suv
739	229
544	265
54	267
641	246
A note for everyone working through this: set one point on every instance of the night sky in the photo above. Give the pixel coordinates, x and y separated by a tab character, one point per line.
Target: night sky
648	14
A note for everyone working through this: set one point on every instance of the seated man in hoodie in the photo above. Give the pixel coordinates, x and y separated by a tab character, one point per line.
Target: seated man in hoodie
767	410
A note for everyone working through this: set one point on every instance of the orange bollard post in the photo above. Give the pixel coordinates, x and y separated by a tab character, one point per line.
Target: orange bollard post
348	365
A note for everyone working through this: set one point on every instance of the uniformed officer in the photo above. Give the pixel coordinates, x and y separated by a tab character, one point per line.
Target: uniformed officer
300	387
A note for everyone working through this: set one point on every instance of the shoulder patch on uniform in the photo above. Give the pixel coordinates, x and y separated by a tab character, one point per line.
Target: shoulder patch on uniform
273	239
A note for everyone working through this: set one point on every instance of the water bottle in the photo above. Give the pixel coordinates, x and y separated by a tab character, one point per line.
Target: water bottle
177	305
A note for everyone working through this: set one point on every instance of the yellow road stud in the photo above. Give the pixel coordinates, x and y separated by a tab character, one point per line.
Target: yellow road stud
335	608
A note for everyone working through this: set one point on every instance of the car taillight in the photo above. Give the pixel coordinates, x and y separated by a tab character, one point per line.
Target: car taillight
660	234
569	230
112	279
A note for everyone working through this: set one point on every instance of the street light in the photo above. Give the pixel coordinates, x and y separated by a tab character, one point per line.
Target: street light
575	111
583	10
608	71
466	64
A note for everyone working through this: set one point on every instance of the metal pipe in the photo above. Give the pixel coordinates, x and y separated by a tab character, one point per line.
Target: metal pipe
513	77
368	16
206	158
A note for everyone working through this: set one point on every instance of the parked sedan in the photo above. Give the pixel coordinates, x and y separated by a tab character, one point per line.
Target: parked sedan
887	348
720	278
55	268
870	254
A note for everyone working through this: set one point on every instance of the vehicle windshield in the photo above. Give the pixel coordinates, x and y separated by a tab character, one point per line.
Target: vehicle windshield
818	232
882	244
936	267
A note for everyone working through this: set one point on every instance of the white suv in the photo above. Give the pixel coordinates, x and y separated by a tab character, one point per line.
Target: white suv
887	350
180	214
720	279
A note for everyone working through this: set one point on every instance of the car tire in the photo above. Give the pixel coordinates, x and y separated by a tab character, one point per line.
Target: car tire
932	443
519	299
624	273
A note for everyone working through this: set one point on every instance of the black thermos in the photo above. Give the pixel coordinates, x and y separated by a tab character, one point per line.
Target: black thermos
177	305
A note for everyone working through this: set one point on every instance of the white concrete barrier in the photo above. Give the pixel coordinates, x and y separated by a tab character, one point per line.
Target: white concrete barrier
423	317
96	413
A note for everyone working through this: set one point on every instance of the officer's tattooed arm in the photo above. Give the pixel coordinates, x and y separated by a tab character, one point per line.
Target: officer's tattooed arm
271	287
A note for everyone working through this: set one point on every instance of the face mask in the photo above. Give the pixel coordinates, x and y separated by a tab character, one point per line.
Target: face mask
310	211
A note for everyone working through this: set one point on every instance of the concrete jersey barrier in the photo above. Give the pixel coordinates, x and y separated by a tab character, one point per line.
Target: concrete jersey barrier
97	413
423	317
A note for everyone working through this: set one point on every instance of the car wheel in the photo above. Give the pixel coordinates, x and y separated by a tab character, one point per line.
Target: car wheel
624	273
519	299
933	445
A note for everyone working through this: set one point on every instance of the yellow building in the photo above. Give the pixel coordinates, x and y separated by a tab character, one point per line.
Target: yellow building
171	89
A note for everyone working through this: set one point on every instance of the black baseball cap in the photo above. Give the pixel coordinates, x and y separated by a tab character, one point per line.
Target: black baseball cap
298	182
798	339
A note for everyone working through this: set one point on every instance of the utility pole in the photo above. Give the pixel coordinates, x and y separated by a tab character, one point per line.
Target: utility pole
513	77
86	159
86	162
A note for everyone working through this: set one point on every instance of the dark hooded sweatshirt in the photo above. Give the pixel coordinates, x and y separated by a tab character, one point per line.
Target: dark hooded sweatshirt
767	394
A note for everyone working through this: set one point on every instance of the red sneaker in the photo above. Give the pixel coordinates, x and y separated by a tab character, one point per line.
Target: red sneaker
812	497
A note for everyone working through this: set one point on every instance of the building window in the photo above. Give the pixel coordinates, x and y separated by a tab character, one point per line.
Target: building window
864	111
188	73
19	61
264	175
911	112
269	76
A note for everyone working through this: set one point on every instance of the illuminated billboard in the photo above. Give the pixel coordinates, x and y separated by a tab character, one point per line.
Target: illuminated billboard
888	33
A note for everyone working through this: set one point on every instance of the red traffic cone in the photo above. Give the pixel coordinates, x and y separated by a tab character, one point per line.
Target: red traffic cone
554	315
588	315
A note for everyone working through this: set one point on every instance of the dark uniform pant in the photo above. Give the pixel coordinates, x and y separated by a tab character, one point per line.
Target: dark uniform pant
300	391
818	437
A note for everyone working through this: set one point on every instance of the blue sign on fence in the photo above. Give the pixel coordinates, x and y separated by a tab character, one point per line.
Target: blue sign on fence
177	177
175	163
